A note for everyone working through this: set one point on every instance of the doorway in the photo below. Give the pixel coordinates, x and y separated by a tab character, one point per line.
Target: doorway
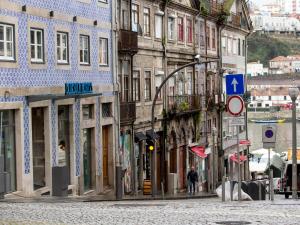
105	147
182	167
38	148
64	134
87	159
7	146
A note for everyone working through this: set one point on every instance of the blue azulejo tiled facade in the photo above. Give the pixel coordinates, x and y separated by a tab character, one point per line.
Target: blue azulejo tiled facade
44	47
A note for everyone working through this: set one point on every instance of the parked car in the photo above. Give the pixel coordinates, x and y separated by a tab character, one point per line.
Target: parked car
286	181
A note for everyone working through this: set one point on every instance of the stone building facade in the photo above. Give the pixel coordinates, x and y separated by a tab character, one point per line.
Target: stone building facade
56	92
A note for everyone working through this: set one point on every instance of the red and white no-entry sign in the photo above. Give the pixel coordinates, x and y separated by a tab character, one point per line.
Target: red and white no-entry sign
235	105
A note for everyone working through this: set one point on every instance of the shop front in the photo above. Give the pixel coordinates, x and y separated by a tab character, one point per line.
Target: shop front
8	148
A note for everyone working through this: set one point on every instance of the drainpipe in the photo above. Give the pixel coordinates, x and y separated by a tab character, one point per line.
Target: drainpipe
118	157
221	71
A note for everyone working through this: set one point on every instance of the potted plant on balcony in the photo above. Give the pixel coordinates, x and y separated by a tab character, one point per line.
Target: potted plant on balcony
183	106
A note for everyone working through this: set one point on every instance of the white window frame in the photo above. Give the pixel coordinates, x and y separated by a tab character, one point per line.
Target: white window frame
36	45
158	26
60	48
171	32
135	16
6	42
147	96
103	1
103	51
147	22
84	49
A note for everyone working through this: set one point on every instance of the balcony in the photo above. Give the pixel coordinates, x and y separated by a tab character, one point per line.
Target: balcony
184	103
234	20
127	112
128	41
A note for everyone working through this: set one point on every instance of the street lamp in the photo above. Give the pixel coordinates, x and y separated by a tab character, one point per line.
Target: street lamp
196	62
293	93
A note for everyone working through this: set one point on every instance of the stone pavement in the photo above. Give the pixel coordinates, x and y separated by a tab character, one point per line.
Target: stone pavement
177	212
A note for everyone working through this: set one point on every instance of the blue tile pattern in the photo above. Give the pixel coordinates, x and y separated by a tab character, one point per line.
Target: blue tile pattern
76	109
51	76
98	137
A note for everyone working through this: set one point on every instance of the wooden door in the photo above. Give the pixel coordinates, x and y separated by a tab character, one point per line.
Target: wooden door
182	167
105	132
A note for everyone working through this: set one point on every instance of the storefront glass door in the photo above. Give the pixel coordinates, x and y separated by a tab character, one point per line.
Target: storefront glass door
64	133
87	158
7	146
38	148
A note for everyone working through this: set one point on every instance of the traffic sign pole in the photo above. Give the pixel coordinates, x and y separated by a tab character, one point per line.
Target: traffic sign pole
239	168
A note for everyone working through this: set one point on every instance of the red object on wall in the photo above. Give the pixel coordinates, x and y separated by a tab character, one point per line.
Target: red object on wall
200	151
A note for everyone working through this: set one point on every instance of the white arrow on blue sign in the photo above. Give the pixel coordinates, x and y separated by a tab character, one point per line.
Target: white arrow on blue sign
235	84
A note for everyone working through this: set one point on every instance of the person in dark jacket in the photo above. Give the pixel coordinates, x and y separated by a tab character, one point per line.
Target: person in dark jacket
192	178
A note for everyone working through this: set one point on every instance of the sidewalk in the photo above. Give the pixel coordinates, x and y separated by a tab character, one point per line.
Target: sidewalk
98	198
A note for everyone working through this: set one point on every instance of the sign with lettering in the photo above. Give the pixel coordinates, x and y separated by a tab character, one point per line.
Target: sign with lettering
78	88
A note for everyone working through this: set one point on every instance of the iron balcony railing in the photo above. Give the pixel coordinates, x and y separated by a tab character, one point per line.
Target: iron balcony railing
184	103
127	112
128	41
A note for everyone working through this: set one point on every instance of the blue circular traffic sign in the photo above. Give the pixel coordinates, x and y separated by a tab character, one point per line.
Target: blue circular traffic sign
269	133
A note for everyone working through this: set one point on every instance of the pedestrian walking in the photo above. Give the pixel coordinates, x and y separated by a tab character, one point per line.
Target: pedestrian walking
192	178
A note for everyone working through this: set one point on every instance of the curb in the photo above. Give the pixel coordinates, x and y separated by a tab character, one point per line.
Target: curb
94	199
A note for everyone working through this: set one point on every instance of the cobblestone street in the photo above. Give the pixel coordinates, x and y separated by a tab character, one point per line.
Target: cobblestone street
196	211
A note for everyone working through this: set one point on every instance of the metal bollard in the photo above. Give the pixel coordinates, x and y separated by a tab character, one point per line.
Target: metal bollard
259	191
231	190
223	189
162	190
271	185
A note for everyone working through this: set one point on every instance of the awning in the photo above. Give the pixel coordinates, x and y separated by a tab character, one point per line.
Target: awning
200	151
234	158
140	136
152	135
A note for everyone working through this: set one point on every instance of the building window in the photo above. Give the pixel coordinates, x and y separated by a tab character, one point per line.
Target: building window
106	110
239	47
158	80
88	112
189	86
234	46
147	22
207	31
135	17
270	98
213	38
84	49
224	46
171	28
126	83
243	48
180	29
103	51
202	32
189	29
158	26
104	1
125	19
229	45
147	96
136	85
7	48
62	48
37	45
209	126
